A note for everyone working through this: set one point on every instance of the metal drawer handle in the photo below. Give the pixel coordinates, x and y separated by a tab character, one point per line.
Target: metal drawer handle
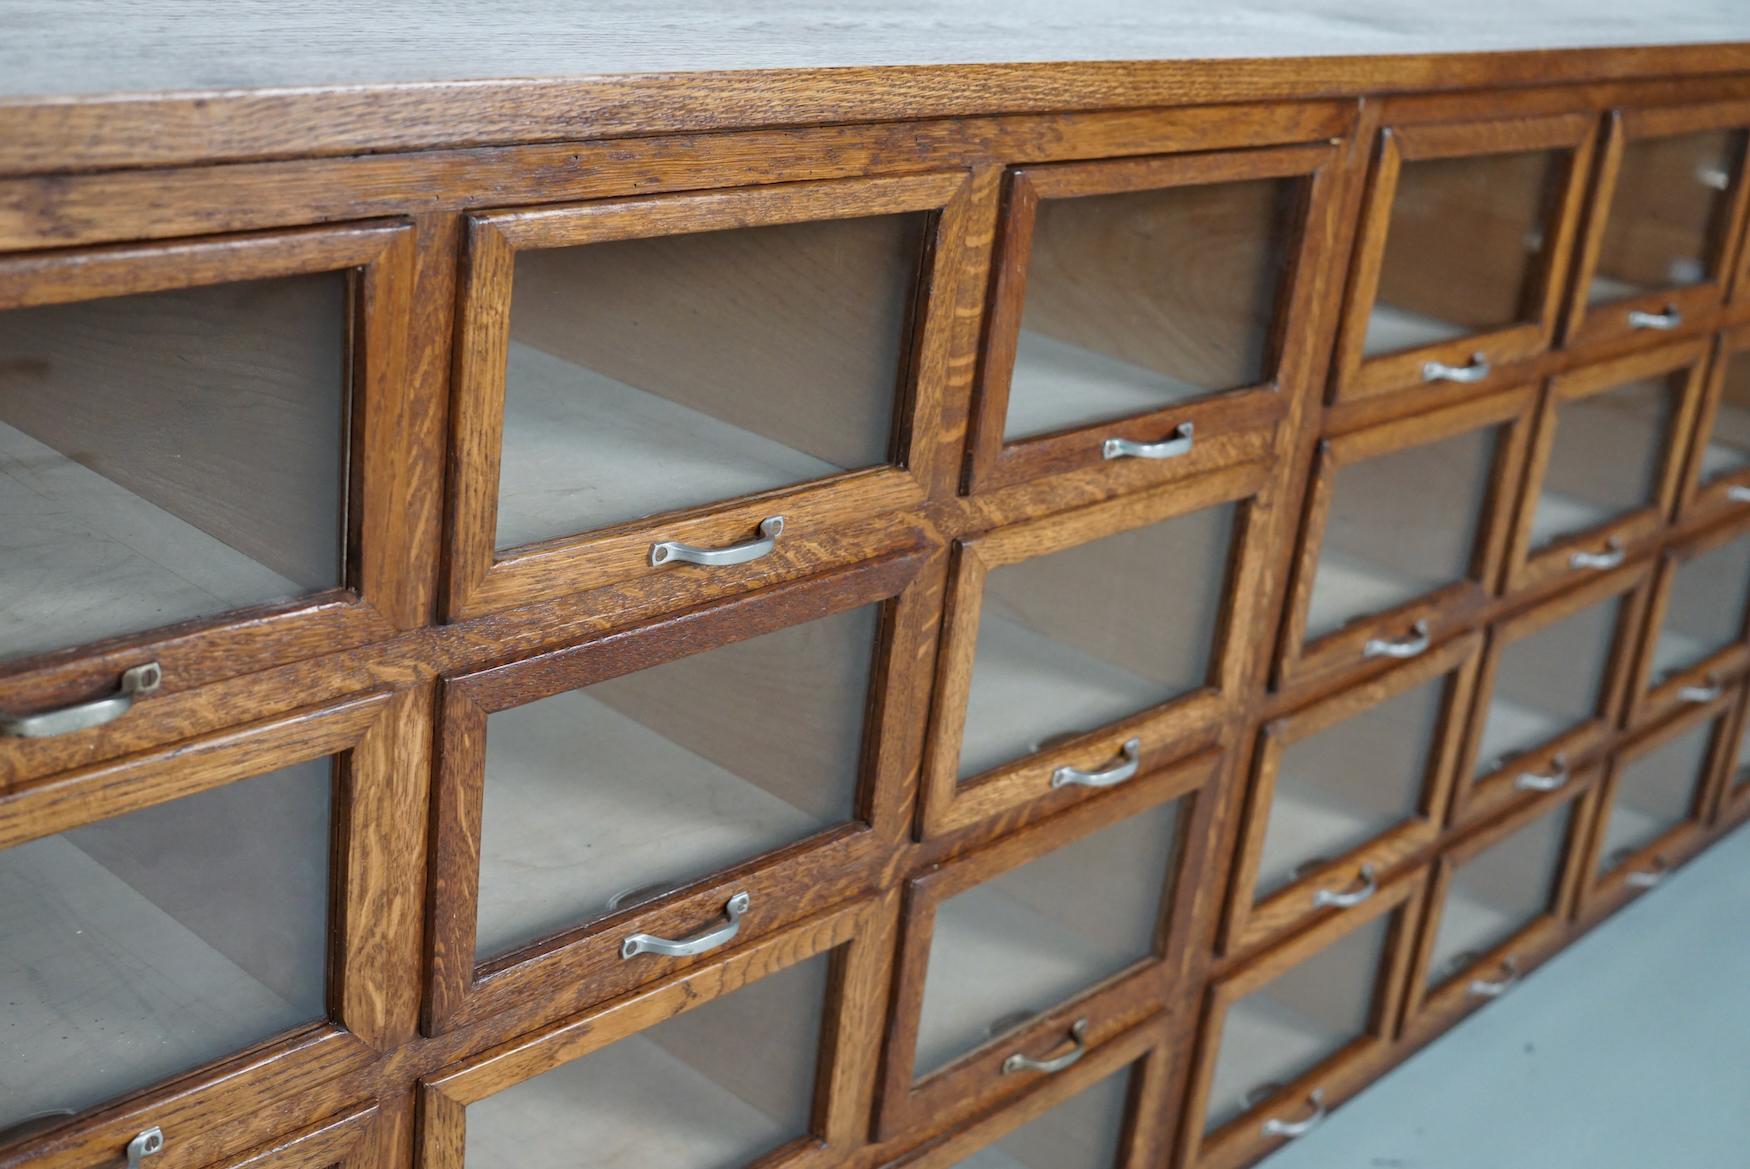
1738	493
85	715
1366	885
1609	558
1129	759
770	529
1078	1046
1669	319
1494	988
700	943
1167	448
1706	692
1647	878
1544	781
1405	647
1437	371
145	1145
1289	1129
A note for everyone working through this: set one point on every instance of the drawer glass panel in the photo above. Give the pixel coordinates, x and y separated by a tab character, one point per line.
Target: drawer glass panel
1083	1132
1728	447
1072	640
1020	944
144	946
650	375
169	456
714	1088
1340	788
1463	249
1669	214
626	790
1399	526
1497	893
1547	683
1605	457
1654	794
1739	780
1705	609
1290	1025
1137	301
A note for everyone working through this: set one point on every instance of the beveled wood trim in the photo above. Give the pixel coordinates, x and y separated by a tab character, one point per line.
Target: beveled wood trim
1110	1005
859	937
1602	893
1444	609
1531	568
1359	376
1431	1010
1146	1052
1168	729
1588	324
1651	698
1477	797
1242	1140
1249	922
576	967
993	463
1698	497
481	578
387	582
1731	798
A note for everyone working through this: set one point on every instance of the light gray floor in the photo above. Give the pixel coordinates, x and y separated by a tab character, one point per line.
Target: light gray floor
1631	1050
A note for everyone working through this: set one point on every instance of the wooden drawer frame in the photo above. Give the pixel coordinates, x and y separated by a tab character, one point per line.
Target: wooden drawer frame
1722	492
1651	698
993	463
481	580
976	1079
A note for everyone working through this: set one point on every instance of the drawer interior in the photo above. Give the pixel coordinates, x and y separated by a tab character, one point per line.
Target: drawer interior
1654	793
1497	893
1705	607
1548	682
1668	213
1607	456
1083	1132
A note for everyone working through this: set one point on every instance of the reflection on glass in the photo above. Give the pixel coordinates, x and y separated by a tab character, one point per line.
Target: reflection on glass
1669	213
713	1088
1076	639
1026	941
1141	300
1547	683
650	375
604	797
1464	248
1400	525
1606	457
169	456
143	946
1497	893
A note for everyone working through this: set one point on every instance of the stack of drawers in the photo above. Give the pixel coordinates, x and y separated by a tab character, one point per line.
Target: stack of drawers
1049	640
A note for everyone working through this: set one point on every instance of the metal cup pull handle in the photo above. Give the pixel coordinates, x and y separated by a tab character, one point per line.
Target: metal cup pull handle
702	942
1610	557
1648	877
672	550
85	715
1544	781
1289	1129
1365	886
1738	493
1709	690
1078	1046
1167	448
1438	371
1669	319
1403	647
1494	988
1129	759
145	1145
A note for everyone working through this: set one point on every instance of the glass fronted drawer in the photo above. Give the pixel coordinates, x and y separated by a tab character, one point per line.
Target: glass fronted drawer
1555	680
1606	469
1086	648
1665	220
1348	790
691	383
1290	1034
1005	975
184	907
1463	244
1406	531
1499	904
1148	310
185	453
1719	467
1734	795
762	1056
687	784
1697	622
